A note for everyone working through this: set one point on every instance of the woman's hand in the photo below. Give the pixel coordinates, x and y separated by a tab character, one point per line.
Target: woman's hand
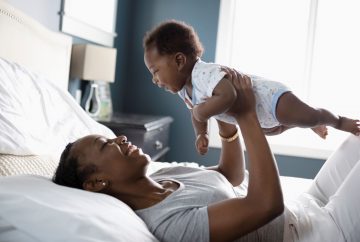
245	101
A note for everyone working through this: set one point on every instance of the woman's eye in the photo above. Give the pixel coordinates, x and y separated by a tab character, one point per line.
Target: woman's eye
104	144
107	142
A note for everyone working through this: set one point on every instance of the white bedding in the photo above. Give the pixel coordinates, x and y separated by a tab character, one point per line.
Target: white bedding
35	209
37	117
43	211
28	164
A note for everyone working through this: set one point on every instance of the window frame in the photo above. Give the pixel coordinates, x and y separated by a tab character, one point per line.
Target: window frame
225	39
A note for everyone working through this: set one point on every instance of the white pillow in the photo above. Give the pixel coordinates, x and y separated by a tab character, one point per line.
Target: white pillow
35	209
37	117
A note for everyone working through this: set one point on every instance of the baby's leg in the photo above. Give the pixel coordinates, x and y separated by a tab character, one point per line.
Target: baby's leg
291	111
275	130
336	169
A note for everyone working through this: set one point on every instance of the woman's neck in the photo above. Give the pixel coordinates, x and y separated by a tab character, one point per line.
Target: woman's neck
146	192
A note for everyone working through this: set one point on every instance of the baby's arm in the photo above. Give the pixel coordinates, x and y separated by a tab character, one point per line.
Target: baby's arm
222	98
199	127
201	134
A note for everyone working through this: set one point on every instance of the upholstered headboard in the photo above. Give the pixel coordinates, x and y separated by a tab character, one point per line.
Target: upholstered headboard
28	43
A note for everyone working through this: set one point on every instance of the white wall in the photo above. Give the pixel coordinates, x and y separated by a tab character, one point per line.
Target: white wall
44	11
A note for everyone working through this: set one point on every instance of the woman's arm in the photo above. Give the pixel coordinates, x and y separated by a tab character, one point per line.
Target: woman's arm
222	98
233	218
231	163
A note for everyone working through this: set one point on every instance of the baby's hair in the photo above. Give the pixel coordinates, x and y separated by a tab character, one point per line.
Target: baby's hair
174	36
68	172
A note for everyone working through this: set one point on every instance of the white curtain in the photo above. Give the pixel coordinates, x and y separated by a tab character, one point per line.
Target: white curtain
313	46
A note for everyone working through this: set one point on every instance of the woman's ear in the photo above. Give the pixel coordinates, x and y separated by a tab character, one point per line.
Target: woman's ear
180	60
95	185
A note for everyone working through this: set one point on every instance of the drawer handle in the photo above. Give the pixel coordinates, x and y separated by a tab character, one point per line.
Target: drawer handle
158	145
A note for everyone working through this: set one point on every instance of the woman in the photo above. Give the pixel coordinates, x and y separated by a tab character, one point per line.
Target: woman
193	204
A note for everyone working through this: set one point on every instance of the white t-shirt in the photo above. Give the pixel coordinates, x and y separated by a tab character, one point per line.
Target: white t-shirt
183	215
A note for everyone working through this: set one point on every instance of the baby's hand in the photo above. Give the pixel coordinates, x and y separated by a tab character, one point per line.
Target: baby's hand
202	143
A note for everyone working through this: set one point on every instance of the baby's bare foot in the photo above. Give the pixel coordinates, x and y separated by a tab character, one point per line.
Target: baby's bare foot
349	125
321	130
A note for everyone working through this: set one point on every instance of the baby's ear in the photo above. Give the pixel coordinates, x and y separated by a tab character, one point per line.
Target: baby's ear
180	60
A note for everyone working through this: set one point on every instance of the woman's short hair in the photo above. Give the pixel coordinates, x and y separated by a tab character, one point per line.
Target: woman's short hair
68	172
174	36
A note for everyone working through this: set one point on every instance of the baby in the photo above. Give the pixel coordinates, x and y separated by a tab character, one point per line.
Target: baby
172	54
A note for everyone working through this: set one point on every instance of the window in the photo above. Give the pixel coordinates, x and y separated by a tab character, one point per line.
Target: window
310	45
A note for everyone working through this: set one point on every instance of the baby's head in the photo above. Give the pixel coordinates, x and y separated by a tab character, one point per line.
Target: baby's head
170	51
173	36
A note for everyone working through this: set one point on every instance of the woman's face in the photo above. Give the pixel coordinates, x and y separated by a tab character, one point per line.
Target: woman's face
165	70
117	160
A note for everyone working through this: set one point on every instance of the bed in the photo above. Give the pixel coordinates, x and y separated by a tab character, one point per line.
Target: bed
38	118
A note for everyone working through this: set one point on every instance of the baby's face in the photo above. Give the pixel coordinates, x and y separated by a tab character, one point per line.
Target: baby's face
164	69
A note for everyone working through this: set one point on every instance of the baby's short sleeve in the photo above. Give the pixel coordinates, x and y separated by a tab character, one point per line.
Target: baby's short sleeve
214	78
205	77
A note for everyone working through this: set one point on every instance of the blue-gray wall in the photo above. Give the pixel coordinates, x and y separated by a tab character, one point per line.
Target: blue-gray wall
138	94
133	91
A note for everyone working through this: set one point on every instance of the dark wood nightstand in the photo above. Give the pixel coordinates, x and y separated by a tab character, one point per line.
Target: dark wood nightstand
151	133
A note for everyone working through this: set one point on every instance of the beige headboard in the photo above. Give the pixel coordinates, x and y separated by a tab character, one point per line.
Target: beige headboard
28	43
